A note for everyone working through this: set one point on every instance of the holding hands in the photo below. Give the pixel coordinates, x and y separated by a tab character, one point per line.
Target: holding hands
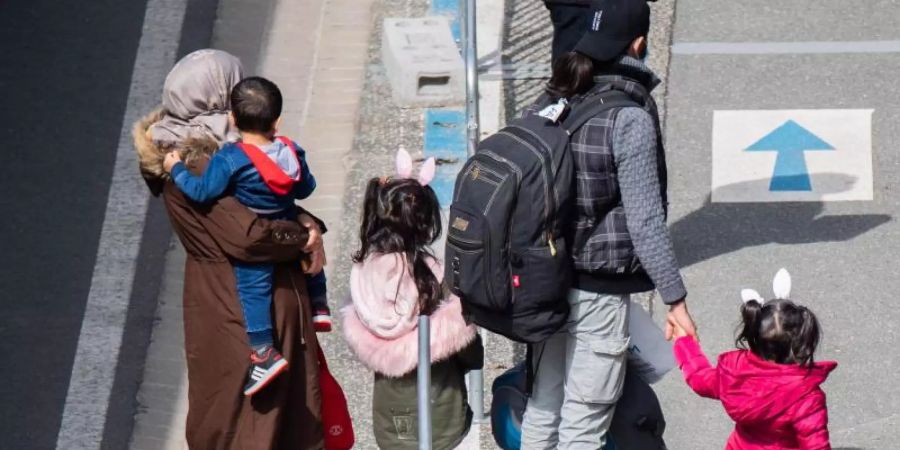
679	322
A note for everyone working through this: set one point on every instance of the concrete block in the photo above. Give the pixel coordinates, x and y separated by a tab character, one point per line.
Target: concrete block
423	62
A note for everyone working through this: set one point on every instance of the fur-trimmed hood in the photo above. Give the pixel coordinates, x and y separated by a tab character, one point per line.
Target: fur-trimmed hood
151	154
380	325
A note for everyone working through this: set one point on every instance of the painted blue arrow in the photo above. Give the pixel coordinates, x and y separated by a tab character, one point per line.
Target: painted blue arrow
790	140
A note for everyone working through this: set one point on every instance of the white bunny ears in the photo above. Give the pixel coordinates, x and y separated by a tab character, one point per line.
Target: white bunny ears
405	168
781	286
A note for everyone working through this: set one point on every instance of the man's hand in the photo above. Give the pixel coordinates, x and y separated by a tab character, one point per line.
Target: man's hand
171	159
679	322
677	331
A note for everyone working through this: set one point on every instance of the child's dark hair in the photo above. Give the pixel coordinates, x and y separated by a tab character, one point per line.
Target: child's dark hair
256	105
402	216
779	331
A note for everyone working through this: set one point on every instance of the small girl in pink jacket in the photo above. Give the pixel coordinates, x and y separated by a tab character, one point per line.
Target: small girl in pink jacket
770	387
395	278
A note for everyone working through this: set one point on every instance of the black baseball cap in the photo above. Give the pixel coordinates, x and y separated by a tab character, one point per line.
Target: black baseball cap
614	25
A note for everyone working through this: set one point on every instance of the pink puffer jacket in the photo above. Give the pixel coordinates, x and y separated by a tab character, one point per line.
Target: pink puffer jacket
774	406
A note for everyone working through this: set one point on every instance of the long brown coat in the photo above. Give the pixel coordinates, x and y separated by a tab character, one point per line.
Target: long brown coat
286	415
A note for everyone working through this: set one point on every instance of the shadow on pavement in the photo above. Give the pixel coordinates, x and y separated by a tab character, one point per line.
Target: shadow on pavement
721	228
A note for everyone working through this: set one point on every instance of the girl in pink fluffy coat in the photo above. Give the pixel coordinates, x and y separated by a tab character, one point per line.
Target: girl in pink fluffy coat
770	388
394	279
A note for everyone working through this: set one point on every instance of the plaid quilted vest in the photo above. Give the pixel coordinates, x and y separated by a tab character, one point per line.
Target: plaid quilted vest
601	244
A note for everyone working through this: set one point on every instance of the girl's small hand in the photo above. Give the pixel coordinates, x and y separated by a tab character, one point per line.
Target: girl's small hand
171	159
677	330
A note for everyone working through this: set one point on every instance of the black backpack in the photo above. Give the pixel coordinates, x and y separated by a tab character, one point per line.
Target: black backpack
507	255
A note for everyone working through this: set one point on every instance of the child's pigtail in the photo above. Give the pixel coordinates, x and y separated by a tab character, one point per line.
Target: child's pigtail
806	340
751	313
370	222
424	212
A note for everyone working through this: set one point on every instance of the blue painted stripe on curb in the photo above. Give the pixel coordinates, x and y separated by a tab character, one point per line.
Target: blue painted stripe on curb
450	9
445	138
445	132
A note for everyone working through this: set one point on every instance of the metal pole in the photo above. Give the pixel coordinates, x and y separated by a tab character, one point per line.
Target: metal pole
470	55
470	52
423	383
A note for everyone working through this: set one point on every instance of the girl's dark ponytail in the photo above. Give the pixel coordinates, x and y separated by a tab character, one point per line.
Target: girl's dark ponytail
369	223
426	283
573	74
402	216
425	216
748	337
806	340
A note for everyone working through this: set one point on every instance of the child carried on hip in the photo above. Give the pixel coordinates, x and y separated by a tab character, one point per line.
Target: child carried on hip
266	173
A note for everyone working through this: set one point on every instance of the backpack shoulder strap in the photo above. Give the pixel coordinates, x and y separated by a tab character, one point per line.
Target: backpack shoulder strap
590	106
275	178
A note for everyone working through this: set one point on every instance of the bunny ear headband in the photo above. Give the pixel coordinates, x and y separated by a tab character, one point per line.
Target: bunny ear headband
405	168
781	285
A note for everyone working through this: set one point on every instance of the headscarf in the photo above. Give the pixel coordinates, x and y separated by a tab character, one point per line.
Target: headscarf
195	98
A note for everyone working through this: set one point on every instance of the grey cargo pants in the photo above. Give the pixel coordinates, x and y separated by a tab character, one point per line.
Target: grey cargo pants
579	376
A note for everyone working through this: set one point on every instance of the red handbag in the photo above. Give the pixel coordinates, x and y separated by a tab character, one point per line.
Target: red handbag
336	423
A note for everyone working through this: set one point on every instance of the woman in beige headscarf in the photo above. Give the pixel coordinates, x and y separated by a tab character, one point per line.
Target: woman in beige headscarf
193	120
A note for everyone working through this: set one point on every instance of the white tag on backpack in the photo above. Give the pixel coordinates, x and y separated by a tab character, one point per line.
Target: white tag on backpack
554	112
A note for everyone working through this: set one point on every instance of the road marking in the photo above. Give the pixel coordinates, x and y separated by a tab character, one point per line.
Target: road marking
778	48
792	155
790	141
93	371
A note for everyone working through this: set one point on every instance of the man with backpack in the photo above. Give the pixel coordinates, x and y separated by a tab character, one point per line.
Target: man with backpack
559	217
619	240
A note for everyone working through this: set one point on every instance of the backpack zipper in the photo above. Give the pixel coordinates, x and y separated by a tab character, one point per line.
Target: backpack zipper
552	166
551	198
490	154
502	160
550	240
472	245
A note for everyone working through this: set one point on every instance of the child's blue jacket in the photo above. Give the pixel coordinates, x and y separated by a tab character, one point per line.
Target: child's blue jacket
230	171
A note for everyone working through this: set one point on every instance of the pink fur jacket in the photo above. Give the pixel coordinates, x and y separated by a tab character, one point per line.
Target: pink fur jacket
380	325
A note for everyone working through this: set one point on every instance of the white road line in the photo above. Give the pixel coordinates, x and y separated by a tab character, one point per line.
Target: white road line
779	48
93	371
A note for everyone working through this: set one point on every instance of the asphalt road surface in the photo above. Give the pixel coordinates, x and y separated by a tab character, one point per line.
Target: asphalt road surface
772	55
65	75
